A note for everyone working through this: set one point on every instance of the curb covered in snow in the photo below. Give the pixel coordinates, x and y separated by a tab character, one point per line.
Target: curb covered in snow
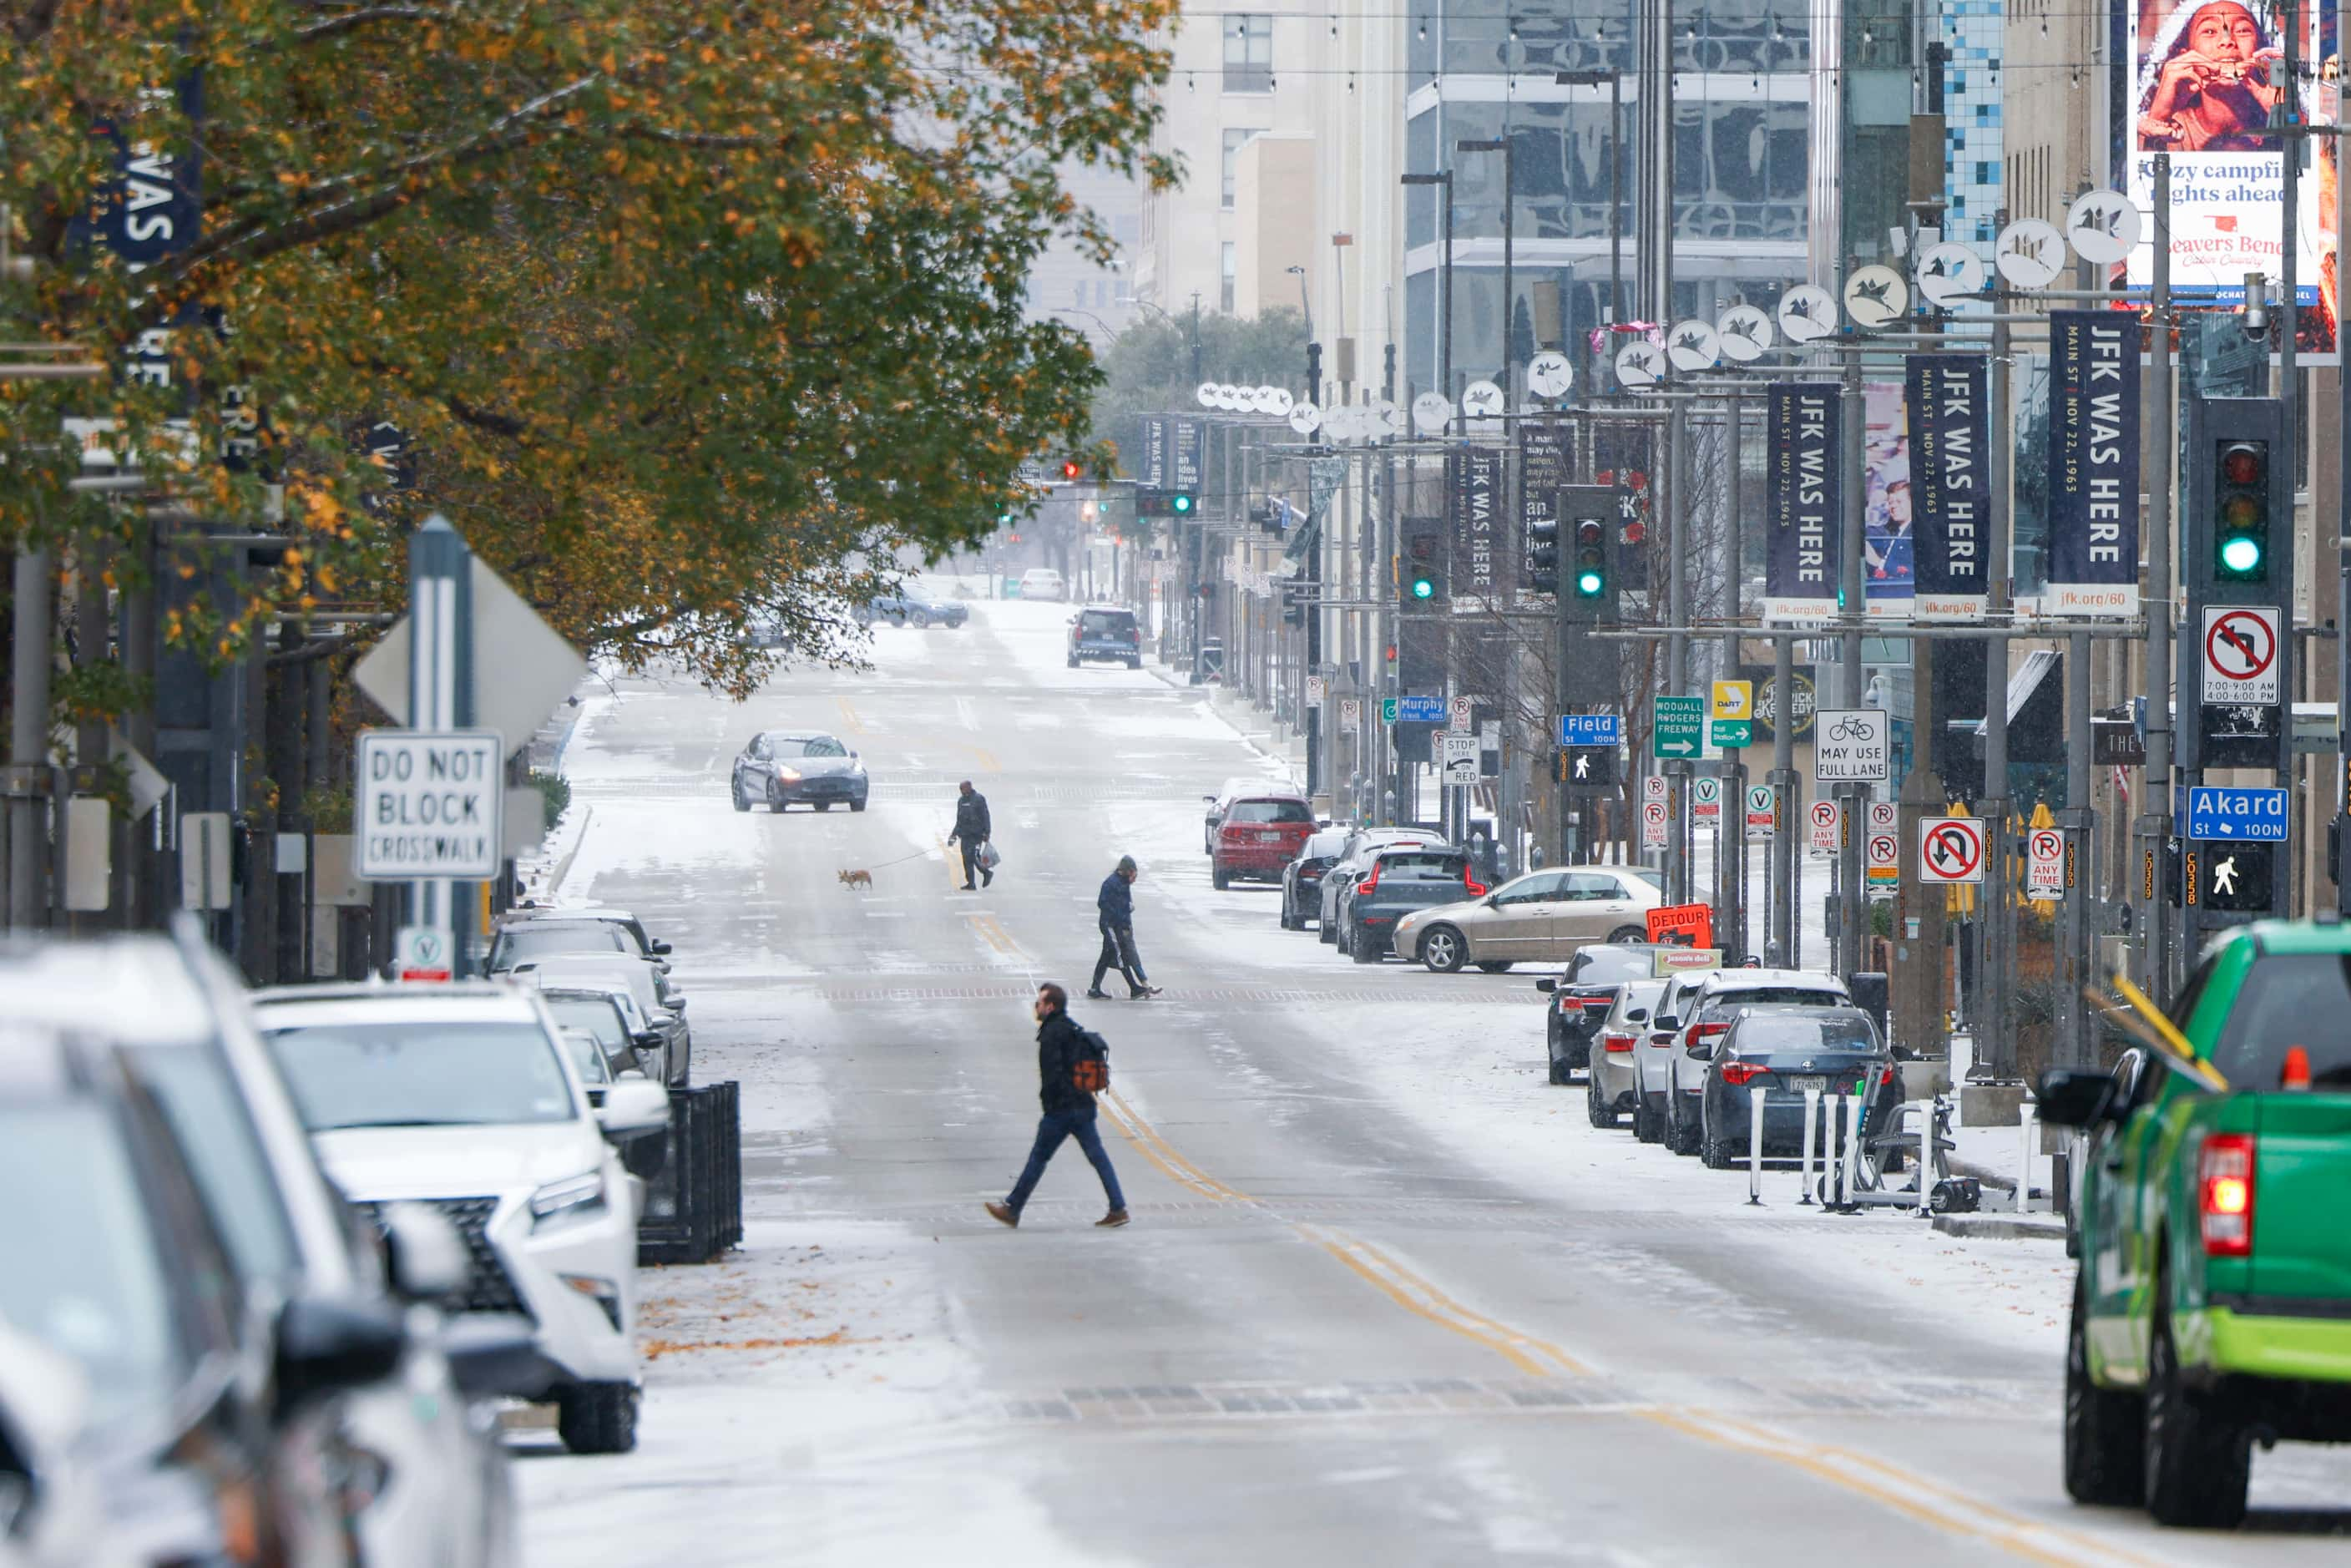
2003	1227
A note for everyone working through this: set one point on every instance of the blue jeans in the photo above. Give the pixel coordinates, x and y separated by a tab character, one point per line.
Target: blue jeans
1051	1129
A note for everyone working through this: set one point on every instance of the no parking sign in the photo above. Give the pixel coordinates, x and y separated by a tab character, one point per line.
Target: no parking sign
2045	863
1827	821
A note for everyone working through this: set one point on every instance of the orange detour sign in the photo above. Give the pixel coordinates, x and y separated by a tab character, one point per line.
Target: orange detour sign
1689	924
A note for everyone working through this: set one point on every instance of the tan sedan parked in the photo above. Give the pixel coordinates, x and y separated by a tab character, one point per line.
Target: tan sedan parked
1542	917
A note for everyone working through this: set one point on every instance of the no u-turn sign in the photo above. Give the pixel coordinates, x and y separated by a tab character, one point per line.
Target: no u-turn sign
1950	849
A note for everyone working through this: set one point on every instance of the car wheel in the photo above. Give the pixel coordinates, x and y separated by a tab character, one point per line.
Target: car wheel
2106	1430
1134	663
1221	879
1558	1073
824	805
858	804
1324	933
1442	949
2198	1461
1682	1135
776	804
920	620
1287	924
1496	965
1648	1122
1625	935
741	802
1602	1114
1073	661
1363	950
597	1418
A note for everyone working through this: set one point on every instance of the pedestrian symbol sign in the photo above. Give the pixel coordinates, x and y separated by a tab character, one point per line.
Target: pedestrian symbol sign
2241	646
1951	850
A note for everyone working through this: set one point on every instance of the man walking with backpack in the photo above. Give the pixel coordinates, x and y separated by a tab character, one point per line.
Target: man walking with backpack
1114	913
1072	1066
972	829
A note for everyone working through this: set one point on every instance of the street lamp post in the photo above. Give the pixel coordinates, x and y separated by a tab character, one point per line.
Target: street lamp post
1445	284
1509	304
1615	178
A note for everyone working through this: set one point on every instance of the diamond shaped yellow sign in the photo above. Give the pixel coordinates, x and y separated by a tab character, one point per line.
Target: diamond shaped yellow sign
1733	699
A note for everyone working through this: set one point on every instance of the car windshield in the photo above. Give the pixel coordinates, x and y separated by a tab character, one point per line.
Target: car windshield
1769	1033
1105	624
1430	867
805	746
2289	1000
1639	994
594	1014
85	1277
445	1073
587	1056
1270	811
1599	966
534	940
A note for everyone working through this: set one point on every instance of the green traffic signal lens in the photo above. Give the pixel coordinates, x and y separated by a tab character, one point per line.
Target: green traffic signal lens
1588	584
1182	505
2242	554
1422	588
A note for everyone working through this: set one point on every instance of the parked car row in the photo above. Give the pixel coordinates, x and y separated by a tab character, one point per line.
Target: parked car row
277	1255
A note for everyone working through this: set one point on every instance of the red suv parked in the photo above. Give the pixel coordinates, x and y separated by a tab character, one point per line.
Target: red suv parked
1260	835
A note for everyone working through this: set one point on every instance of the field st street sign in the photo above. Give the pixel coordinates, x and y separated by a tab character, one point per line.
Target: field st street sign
429	805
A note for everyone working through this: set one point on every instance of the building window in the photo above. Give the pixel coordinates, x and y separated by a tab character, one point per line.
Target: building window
1232	277
1249	54
1234	141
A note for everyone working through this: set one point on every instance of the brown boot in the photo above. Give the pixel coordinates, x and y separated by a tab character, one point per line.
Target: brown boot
1113	1220
1005	1213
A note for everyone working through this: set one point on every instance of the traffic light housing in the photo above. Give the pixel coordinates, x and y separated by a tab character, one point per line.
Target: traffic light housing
1588	514
2237	552
1542	556
1420	571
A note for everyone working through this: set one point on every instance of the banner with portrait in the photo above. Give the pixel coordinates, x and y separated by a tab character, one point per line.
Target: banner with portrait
1887	545
2206	76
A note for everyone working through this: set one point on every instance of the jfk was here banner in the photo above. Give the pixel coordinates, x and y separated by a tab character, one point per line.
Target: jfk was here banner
1950	485
2093	431
1804	491
1480	533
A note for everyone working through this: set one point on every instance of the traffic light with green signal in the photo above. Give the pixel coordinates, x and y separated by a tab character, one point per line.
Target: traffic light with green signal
2240	524
1420	571
1590	558
2237	557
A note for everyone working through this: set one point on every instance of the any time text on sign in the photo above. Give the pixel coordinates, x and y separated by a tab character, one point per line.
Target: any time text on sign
428	805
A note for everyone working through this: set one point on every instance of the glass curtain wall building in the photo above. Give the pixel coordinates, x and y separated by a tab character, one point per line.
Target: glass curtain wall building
1487	69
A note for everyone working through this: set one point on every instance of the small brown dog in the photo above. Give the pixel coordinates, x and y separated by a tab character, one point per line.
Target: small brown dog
857	879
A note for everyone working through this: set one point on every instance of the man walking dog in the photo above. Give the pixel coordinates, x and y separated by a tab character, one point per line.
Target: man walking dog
971	830
1073	1064
1114	912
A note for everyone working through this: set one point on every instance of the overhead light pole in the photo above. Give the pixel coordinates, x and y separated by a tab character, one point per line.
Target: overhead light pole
1615	80
1445	284
1509	304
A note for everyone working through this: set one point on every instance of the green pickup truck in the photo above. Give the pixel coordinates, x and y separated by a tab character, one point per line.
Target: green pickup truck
2213	1305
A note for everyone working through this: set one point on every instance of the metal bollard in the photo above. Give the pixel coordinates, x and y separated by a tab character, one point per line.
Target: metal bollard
1926	1159
1812	1115
1755	1147
1857	1115
1834	1157
2026	1125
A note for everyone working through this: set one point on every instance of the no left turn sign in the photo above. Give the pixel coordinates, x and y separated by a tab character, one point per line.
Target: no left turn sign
2241	645
1950	849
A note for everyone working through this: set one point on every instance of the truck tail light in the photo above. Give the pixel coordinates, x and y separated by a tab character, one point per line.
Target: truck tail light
2224	1194
2295	1078
1740	1074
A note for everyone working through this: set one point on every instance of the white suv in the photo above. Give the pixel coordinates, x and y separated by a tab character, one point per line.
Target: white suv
1042	583
463	1097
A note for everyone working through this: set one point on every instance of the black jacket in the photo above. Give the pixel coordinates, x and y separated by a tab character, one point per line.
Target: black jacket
1116	901
1057	1055
971	817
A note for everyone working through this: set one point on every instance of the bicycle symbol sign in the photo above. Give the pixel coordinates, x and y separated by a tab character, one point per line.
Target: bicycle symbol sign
1952	849
2240	654
1849	746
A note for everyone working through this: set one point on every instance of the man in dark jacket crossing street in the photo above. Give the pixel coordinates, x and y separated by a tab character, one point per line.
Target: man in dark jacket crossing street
1114	906
1069	1110
971	830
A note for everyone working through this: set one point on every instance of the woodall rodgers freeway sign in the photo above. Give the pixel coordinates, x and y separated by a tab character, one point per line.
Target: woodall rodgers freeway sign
428	805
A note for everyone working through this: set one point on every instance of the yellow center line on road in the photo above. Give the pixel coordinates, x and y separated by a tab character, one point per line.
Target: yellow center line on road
987	758
1907	1490
992	932
1160	1153
953	857
849	717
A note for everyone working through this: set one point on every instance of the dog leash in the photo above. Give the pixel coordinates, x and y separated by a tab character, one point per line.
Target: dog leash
902	860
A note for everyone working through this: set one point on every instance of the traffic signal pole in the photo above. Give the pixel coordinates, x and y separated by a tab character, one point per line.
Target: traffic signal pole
2153	948
1852	908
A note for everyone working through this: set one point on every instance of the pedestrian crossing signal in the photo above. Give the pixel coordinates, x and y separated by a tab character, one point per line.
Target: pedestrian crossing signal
1585	767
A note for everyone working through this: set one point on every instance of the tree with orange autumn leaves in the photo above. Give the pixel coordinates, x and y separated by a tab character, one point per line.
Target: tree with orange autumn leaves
693	314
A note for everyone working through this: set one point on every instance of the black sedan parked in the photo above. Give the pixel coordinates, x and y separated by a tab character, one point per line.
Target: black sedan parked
783	766
1395	881
1580	997
1780	1052
1302	879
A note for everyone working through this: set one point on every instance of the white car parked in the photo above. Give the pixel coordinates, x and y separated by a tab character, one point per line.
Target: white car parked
1042	583
464	1097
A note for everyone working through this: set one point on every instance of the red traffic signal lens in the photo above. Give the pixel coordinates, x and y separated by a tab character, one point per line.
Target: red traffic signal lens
1070	468
2241	466
1588	532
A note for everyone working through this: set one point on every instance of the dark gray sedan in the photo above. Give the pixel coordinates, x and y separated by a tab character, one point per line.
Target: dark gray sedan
783	766
1780	1052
